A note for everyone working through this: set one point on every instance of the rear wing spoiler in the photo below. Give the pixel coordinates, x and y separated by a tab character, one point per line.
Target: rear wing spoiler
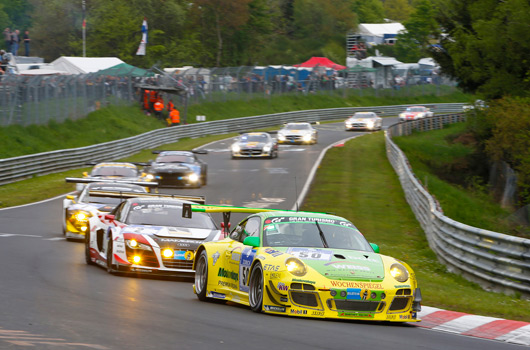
196	151
125	195
187	210
80	180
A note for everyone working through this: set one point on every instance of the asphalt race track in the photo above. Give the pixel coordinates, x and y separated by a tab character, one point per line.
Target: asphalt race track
50	299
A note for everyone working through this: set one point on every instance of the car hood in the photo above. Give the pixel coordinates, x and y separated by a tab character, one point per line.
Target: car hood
341	264
174	167
294	132
252	144
360	120
169	231
92	206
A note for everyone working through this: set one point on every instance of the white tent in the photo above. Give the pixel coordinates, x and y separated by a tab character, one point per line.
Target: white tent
379	33
84	65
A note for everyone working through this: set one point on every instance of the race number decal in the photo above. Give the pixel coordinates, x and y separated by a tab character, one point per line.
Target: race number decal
311	254
247	256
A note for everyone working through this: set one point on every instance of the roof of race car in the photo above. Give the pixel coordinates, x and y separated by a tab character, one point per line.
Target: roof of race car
158	200
115	164
176	153
115	187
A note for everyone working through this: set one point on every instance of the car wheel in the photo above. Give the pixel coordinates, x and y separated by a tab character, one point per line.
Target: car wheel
110	267
88	259
201	276
204	180
255	293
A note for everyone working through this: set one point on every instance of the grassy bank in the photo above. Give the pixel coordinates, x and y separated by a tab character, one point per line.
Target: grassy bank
114	123
366	190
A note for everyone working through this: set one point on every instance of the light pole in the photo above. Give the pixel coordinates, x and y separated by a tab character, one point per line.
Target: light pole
83	2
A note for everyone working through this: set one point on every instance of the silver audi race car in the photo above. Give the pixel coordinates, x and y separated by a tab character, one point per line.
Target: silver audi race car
149	235
254	145
364	121
298	133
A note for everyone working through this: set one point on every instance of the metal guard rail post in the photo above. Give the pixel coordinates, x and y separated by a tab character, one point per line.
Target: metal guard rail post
496	261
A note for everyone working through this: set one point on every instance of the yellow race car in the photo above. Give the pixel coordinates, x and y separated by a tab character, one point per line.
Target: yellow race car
304	264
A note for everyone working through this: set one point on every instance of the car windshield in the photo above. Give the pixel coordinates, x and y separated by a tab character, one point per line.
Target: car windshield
166	214
415	109
363	115
313	232
254	138
120	171
175	159
297	126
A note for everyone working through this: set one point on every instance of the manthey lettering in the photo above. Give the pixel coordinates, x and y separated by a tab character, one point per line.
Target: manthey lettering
227	274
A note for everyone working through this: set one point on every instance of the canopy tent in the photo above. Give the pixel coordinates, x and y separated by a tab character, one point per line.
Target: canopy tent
84	65
320	62
125	70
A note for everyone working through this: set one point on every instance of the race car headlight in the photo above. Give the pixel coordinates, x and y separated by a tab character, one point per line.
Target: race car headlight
236	148
399	272
81	216
281	137
295	267
134	244
193	177
167	253
370	124
306	137
267	148
150	177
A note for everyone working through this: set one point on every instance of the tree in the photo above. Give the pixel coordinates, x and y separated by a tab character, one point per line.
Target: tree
485	45
397	10
369	11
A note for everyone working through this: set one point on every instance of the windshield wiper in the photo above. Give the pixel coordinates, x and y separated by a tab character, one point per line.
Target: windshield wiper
322	235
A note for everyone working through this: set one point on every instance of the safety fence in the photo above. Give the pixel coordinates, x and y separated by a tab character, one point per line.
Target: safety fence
18	168
27	100
496	261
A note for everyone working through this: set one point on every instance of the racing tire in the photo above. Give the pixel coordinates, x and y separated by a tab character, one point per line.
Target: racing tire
201	276
88	259
110	267
255	292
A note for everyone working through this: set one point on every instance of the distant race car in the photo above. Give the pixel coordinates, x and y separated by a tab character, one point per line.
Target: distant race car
177	169
415	113
298	133
304	264
254	145
82	212
112	170
149	235
364	121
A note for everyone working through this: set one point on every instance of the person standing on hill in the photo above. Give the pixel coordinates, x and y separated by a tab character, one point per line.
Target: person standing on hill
7	39
26	43
174	117
15	40
159	107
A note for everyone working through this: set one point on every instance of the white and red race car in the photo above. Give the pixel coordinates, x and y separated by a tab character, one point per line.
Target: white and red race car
415	113
149	235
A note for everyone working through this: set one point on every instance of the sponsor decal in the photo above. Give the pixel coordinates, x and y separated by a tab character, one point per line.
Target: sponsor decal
390	317
227	284
275	276
179	255
215	256
247	256
273	252
260	257
298	312
303	281
310	219
269	267
404	317
189	255
413	315
284	299
282	287
317	313
273	308
357	294
311	254
120	251
216	295
343	266
227	274
352	284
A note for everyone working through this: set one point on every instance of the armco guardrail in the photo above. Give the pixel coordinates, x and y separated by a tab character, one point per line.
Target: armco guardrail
496	261
18	168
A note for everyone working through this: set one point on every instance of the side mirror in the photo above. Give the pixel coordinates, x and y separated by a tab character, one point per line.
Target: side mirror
110	217
70	197
252	241
375	247
85	173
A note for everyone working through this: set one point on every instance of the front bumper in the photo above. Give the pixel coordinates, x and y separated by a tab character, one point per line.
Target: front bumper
175	180
251	153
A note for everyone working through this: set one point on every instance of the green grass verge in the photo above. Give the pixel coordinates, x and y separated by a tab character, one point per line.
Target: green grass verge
366	190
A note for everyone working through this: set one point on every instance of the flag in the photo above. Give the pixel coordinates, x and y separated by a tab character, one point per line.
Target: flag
141	48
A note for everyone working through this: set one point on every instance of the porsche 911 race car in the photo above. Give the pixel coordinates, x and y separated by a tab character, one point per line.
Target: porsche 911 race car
254	145
298	133
82	212
415	113
364	121
177	169
148	235
304	264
